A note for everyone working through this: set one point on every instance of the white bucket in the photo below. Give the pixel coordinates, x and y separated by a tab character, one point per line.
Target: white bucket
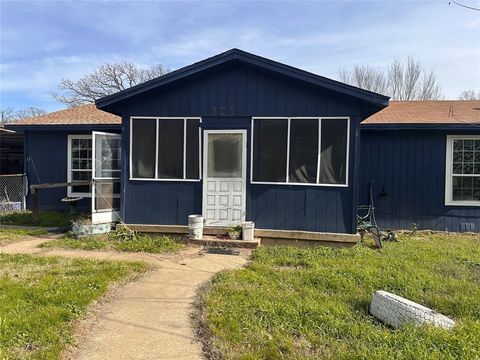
195	227
248	228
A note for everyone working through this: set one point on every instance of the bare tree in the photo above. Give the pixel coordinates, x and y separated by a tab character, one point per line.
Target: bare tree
28	113
469	94
9	115
401	80
6	115
108	79
365	77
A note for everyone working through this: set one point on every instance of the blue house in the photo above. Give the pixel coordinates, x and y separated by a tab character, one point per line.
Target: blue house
233	137
239	137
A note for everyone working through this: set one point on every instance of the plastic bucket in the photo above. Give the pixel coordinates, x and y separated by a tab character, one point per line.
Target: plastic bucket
195	227
248	228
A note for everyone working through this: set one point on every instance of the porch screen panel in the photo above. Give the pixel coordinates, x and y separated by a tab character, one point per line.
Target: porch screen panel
170	148
107	195
270	150
303	151
143	148
107	161
333	158
192	166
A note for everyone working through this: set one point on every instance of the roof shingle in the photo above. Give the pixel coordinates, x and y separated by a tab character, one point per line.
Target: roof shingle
79	115
427	112
398	112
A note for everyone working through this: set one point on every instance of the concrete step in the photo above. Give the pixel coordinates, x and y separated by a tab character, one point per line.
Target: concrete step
213	241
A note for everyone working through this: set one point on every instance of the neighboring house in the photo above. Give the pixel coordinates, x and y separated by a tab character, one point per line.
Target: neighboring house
424	159
11	152
232	137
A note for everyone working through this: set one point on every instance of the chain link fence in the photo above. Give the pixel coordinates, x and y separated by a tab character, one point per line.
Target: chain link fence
13	192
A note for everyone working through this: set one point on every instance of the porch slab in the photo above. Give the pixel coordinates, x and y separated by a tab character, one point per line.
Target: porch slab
212	241
267	236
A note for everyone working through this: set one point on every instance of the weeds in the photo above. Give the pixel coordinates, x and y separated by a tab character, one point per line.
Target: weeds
128	241
45	218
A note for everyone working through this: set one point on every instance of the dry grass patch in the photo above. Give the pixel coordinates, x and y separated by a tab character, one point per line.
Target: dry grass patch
8	236
141	243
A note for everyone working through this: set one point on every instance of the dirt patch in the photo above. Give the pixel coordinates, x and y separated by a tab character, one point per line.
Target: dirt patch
199	319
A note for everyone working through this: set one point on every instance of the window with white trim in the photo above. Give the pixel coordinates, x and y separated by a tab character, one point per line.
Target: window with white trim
79	163
165	148
463	170
300	151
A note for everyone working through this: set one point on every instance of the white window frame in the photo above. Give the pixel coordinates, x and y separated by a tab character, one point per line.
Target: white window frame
288	149
157	118
69	164
449	172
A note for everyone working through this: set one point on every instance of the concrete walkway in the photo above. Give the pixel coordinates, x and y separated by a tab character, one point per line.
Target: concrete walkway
148	318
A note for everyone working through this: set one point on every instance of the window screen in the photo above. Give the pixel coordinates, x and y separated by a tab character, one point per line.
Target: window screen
107	153
192	148
170	149
225	155
333	158
175	145
270	150
143	148
303	151
271	156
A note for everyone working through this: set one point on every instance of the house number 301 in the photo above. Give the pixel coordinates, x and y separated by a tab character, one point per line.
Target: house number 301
222	111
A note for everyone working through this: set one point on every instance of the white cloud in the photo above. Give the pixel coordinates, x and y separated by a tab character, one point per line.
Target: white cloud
335	35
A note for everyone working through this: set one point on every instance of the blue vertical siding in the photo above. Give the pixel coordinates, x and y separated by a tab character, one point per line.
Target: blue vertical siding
227	98
408	169
46	162
46	153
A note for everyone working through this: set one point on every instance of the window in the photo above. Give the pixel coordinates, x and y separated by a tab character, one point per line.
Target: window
300	151
463	171
333	159
225	155
303	159
165	149
270	150
143	142
170	149
79	163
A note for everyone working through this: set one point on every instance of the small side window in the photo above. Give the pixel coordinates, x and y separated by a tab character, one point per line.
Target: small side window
463	170
80	163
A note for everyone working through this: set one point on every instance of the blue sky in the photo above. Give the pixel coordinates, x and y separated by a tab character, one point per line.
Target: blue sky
45	41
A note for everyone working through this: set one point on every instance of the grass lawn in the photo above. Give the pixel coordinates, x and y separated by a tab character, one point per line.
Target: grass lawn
295	303
143	243
45	218
8	236
41	296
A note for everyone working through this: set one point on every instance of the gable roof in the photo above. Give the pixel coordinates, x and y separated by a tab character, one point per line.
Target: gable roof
432	112
80	115
255	60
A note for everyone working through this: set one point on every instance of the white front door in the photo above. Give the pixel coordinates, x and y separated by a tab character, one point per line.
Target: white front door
224	177
106	171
